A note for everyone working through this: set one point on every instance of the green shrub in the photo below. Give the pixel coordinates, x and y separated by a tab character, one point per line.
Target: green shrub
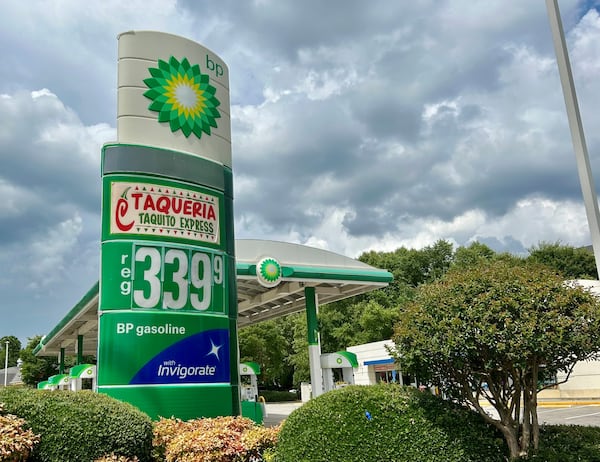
220	439
16	442
387	423
80	426
568	443
274	396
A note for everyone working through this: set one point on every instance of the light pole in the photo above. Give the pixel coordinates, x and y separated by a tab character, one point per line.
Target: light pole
586	179
6	364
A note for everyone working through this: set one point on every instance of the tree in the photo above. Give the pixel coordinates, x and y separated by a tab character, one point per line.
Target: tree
14	348
493	331
412	267
298	359
34	369
375	322
415	267
468	256
573	263
266	344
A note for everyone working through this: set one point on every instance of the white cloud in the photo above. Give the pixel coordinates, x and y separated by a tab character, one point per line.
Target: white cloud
536	219
585	47
372	126
49	254
15	198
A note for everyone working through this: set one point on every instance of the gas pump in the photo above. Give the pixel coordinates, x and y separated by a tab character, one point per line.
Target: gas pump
83	377
251	406
249	382
45	385
59	382
340	363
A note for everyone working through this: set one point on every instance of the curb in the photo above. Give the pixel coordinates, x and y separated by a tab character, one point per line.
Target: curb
568	403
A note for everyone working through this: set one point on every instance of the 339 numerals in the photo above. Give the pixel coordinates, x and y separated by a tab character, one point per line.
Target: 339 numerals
174	279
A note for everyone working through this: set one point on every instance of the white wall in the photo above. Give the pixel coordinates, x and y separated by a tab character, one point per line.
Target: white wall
584	381
365	375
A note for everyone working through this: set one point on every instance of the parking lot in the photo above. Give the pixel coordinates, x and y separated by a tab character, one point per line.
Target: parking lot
564	414
277	412
570	415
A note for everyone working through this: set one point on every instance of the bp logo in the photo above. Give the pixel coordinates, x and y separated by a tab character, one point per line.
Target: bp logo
268	272
182	96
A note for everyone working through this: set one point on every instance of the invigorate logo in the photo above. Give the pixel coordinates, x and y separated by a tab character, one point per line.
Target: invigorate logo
199	358
172	369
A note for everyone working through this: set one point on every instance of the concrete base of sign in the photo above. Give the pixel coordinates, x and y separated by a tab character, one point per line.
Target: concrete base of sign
189	402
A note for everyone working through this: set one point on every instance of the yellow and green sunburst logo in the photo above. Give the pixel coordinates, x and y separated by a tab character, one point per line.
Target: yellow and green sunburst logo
183	97
268	271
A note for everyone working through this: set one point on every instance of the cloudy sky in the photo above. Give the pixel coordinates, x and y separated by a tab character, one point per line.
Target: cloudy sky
355	126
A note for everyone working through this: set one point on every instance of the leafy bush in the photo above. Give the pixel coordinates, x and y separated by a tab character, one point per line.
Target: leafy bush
386	422
220	439
258	442
80	426
274	396
568	443
15	442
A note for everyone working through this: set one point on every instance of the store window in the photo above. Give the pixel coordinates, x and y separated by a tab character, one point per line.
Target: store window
394	376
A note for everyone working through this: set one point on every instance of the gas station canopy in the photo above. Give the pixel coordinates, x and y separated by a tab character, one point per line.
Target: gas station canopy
271	277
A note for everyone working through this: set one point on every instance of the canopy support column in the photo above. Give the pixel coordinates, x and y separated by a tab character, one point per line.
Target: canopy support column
61	361
314	344
80	349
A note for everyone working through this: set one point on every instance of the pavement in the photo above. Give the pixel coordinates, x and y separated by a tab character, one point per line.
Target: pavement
558	402
277	412
579	414
563	412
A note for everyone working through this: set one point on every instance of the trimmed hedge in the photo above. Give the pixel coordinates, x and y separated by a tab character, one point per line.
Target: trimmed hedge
274	396
568	443
80	426
386	422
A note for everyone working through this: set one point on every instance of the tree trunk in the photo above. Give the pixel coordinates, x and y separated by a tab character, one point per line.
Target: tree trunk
508	426
534	417
530	430
526	427
512	441
535	426
517	411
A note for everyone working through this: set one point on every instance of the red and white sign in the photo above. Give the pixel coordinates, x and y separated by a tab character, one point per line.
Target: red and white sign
158	210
